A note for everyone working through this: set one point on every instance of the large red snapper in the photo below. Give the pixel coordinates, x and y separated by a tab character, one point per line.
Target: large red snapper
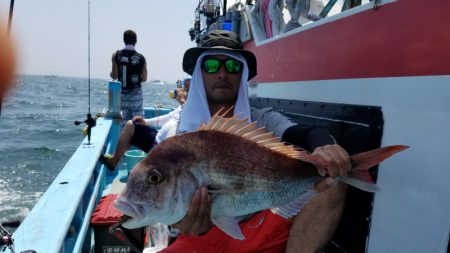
245	169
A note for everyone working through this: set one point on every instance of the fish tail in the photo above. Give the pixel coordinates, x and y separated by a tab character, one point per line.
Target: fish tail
362	162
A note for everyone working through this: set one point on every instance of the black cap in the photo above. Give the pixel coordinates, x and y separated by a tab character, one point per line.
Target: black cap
219	40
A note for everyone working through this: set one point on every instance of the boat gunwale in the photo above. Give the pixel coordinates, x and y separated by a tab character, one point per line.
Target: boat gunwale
52	223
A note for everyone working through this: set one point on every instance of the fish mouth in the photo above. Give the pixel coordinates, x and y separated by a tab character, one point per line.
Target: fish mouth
132	214
128	209
126	221
129	222
124	218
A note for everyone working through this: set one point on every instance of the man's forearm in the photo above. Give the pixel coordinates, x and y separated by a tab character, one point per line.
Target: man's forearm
314	226
307	137
114	69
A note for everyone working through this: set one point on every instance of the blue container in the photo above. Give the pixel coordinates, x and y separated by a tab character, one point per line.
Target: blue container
132	157
114	97
150	112
227	26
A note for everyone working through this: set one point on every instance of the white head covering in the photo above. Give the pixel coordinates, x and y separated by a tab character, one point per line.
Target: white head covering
196	109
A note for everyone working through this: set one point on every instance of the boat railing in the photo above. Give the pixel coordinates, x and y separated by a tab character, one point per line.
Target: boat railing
60	221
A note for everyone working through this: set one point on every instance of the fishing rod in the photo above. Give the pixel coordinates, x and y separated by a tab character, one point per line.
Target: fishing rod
11	9
89	57
89	121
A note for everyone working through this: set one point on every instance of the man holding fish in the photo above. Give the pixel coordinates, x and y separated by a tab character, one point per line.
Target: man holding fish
224	89
230	186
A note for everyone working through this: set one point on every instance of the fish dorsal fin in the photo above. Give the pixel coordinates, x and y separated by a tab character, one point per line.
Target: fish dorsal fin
249	131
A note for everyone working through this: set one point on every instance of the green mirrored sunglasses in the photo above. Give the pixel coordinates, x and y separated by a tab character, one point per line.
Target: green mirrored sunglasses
212	65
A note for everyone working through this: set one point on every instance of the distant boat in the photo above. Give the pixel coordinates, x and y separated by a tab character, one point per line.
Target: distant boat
158	82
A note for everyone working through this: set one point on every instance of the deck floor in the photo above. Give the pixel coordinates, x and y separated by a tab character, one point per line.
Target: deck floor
117	186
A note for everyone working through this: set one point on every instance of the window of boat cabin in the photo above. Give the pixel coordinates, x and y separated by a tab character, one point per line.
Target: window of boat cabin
290	16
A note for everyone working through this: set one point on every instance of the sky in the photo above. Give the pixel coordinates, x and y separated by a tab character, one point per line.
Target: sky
51	36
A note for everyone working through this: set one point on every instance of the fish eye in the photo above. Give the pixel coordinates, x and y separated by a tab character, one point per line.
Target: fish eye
155	177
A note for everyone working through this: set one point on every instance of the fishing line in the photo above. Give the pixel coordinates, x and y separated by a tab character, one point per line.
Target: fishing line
90	122
89	56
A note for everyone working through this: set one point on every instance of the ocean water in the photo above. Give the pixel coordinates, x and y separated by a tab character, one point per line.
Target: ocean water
38	135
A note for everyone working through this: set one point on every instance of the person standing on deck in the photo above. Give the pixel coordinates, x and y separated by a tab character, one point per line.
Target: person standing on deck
130	68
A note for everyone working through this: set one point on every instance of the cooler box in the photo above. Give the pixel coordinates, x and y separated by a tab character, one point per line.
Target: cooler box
104	216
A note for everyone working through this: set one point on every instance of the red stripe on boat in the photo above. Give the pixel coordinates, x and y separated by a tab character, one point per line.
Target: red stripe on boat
403	38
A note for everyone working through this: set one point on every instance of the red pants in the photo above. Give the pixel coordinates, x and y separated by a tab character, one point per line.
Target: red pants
265	232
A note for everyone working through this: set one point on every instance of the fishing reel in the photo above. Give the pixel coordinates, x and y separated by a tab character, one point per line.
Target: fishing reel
6	240
90	122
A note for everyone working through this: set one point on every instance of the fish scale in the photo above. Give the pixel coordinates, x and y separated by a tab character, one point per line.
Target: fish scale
238	204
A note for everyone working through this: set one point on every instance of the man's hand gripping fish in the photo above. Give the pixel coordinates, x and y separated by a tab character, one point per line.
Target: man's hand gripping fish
245	169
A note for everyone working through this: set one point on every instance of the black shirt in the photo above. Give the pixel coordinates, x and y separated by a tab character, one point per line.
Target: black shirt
130	64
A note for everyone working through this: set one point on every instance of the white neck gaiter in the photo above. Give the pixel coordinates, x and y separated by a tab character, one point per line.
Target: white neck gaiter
196	109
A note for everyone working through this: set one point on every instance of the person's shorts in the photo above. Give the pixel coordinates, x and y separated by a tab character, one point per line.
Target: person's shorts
144	137
265	232
131	104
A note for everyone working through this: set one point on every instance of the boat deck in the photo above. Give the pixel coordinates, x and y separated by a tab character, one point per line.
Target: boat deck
116	186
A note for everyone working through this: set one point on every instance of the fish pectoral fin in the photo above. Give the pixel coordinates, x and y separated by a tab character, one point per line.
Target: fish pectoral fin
293	208
229	225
